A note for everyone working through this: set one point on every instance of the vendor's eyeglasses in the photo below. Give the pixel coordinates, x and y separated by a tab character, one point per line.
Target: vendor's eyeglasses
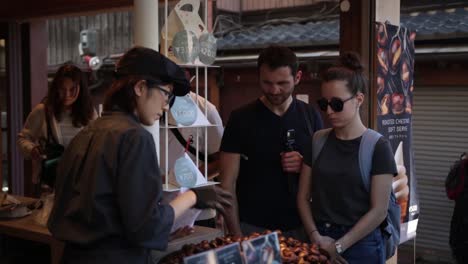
335	103
170	96
155	84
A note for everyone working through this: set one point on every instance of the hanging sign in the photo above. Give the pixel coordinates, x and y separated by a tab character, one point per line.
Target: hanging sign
395	86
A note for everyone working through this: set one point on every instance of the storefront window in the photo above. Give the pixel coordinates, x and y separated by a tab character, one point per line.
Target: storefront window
3	119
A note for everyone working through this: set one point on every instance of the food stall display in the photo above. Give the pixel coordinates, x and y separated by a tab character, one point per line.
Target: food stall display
292	250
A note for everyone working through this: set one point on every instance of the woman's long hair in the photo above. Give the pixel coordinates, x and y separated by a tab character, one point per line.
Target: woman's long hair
82	109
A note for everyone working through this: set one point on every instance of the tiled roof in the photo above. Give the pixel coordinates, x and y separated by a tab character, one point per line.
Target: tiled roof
440	24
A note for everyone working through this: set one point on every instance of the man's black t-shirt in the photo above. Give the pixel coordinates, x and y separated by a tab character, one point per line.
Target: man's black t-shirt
338	192
265	196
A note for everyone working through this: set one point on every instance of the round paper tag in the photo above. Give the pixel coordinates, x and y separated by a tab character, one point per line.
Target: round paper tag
185	174
207	48
186	46
184	110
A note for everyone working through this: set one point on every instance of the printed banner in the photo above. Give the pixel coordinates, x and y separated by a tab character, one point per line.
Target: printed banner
395	56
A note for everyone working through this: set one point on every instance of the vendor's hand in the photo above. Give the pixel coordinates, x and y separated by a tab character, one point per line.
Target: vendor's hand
328	244
219	222
291	161
400	184
36	153
181	232
212	196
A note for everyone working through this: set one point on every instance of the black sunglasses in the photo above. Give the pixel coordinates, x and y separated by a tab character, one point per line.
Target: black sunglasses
335	103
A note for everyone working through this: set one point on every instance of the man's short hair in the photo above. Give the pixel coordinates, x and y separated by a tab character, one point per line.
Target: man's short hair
278	56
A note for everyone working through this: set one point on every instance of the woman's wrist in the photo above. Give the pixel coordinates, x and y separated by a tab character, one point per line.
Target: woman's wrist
314	235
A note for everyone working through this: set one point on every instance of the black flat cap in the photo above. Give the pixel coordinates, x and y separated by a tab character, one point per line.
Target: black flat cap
150	63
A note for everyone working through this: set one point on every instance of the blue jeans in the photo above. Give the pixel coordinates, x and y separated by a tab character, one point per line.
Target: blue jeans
369	249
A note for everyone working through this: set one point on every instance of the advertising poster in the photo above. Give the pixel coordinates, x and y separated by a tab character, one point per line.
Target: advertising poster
395	86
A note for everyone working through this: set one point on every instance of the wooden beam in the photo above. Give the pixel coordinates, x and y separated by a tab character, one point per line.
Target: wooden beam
454	74
38	60
356	34
28	9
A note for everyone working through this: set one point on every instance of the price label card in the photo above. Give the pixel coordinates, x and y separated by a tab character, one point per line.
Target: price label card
184	110
185	172
207	257
263	249
229	254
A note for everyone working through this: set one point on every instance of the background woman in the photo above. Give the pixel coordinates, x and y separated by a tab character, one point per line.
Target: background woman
342	216
68	107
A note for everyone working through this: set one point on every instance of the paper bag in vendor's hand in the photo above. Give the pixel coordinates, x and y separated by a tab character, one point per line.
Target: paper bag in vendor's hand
184	16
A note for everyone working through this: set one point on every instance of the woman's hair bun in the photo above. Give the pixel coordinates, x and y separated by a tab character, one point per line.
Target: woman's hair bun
351	61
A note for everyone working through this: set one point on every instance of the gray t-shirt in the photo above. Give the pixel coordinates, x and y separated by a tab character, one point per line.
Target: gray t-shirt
338	192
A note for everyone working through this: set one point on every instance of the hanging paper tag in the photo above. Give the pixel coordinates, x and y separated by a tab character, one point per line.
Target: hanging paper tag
184	110
186	46
208	47
185	173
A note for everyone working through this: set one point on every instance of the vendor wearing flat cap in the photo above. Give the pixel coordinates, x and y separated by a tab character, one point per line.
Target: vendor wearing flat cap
108	188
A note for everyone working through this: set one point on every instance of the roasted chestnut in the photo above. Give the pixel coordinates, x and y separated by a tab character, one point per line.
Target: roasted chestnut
405	72
382	58
380	84
395	54
382	36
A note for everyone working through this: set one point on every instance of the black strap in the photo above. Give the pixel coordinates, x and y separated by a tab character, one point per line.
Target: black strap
307	115
192	150
50	136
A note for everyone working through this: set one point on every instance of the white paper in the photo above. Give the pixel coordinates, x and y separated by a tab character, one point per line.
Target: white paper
186	219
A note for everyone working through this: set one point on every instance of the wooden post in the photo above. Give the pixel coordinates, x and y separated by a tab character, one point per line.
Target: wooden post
356	33
38	60
15	106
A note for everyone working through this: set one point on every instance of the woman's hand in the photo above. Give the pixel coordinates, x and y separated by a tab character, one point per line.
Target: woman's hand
328	244
325	241
36	153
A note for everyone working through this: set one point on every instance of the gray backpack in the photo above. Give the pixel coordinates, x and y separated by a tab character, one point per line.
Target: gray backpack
391	225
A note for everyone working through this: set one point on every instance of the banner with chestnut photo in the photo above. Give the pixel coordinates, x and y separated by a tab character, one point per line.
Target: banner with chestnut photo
395	67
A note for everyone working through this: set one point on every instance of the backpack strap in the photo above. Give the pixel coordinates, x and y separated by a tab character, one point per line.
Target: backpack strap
191	149
307	116
366	153
50	136
318	141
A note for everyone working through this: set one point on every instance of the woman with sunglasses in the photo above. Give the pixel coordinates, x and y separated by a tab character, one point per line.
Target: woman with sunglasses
337	211
66	110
